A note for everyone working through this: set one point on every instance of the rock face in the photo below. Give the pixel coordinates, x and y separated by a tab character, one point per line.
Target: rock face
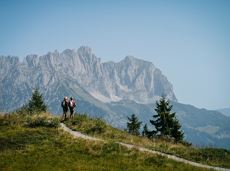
129	79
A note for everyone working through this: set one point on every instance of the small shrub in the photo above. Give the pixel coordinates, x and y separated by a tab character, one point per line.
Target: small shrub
42	121
153	160
12	119
164	146
110	148
85	124
24	110
81	117
54	123
97	127
4	120
186	143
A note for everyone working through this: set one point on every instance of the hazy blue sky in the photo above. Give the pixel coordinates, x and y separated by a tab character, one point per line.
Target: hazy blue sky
189	40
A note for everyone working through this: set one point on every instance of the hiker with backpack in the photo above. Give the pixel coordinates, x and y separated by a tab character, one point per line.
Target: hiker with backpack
72	105
64	105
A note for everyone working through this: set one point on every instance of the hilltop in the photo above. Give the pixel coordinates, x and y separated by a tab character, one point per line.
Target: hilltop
37	143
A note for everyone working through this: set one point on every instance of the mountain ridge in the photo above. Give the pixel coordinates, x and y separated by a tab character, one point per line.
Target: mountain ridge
225	111
108	90
131	78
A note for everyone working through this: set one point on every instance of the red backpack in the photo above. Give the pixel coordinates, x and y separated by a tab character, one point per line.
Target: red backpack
72	103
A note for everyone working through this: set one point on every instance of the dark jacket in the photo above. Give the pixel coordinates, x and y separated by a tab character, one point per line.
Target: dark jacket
64	105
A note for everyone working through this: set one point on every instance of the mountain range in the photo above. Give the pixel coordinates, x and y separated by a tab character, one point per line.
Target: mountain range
225	111
108	90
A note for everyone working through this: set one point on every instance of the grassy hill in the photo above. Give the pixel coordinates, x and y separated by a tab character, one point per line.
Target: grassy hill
37	143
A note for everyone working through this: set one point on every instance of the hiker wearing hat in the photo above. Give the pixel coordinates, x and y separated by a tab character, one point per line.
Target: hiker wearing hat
72	105
64	105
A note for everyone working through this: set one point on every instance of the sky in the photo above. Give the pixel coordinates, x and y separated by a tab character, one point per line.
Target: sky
189	40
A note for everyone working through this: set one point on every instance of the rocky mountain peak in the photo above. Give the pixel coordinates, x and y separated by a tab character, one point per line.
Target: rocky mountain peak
130	79
12	60
130	58
68	52
85	54
84	51
31	60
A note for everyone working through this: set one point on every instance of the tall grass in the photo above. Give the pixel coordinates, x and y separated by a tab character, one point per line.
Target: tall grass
49	148
98	128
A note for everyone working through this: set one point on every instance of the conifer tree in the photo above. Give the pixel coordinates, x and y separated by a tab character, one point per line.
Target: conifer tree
176	133
133	125
165	121
36	103
146	132
163	118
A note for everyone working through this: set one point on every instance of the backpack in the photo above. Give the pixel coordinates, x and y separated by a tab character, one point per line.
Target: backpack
72	103
64	103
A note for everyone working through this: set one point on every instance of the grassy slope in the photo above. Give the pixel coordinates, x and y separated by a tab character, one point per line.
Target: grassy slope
96	127
42	146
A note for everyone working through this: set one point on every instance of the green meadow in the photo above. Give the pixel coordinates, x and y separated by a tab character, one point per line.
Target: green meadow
38	143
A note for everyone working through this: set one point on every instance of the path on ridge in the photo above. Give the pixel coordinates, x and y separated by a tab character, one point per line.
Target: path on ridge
80	135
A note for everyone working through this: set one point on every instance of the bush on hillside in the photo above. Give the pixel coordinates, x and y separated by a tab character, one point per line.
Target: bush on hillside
12	119
4	120
42	120
97	127
86	124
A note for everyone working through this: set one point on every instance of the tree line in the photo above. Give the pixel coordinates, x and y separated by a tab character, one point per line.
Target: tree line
164	122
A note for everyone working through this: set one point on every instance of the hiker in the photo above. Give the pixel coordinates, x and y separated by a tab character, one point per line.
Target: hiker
64	105
72	105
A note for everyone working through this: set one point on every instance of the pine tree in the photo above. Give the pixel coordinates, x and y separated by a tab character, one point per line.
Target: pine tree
133	125
176	133
165	121
163	118
36	103
146	132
